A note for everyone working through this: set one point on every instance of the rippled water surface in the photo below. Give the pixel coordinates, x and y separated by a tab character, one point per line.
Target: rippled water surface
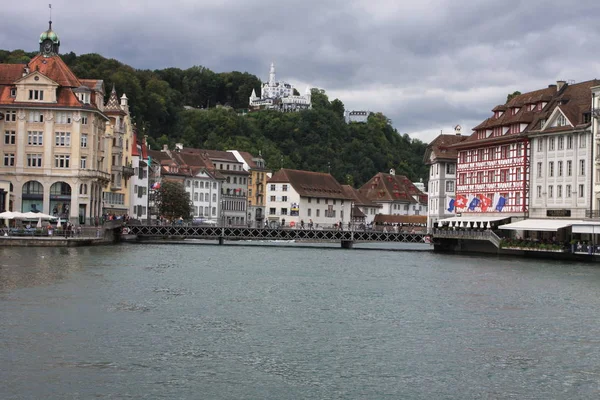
250	322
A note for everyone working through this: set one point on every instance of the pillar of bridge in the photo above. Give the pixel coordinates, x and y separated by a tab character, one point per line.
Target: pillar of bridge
347	244
221	240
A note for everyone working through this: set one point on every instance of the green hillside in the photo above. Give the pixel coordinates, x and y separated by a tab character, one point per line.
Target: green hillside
316	140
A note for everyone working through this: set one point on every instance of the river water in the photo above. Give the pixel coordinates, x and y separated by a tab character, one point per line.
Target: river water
252	322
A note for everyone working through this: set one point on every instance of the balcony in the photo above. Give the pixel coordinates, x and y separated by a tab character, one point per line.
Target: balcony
593	214
94	174
116	185
128	172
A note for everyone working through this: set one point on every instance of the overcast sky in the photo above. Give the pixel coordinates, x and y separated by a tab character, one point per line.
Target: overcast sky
427	65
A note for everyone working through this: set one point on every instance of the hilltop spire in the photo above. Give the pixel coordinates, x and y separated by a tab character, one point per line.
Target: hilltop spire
272	75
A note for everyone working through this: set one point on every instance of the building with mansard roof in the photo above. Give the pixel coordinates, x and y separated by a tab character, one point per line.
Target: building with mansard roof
279	95
562	145
53	126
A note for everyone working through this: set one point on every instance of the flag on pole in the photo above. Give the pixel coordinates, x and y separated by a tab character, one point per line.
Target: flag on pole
501	203
486	202
474	203
450	204
461	201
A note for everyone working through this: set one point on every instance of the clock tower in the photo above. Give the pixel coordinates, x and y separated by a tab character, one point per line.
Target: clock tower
49	42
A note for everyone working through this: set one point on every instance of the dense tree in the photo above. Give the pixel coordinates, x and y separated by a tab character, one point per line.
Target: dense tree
173	201
189	106
510	96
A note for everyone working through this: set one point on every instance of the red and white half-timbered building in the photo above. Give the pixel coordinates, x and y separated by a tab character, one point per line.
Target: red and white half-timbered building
493	163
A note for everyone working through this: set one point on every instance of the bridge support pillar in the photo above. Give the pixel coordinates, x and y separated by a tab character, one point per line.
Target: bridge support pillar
221	240
347	244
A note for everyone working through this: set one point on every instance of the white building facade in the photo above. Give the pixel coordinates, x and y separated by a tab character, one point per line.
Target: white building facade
139	181
595	128
295	196
441	159
205	193
562	165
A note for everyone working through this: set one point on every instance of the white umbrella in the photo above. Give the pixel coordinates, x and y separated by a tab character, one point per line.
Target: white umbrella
11	215
33	215
39	224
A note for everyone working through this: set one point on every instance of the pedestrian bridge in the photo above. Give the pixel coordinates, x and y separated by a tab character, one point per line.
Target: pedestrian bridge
221	234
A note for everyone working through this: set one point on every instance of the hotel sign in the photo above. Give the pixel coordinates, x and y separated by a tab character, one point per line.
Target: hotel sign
558	213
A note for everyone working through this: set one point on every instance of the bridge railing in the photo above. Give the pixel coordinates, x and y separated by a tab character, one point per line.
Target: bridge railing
232	233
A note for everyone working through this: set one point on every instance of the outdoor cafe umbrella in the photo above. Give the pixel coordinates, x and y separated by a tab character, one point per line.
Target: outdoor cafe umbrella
11	215
39	216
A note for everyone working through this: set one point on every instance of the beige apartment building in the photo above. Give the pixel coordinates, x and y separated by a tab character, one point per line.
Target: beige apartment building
54	144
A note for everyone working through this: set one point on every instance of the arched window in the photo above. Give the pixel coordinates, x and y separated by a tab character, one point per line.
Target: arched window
32	197
33	187
60	188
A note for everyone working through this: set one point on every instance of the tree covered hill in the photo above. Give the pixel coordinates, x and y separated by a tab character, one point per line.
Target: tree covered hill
315	140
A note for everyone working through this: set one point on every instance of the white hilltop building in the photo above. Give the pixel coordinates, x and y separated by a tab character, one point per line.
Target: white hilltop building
279	95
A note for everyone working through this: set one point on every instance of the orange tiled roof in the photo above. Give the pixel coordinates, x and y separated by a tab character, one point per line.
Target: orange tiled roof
9	73
56	69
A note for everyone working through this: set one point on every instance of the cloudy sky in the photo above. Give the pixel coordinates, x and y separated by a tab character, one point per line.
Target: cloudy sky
427	65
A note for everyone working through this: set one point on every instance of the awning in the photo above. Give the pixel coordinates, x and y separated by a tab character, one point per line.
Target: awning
587	227
400	219
471	221
474	218
545	225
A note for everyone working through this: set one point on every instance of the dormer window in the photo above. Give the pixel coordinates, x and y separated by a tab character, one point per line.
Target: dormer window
515	110
84	98
561	120
586	118
36	94
13	92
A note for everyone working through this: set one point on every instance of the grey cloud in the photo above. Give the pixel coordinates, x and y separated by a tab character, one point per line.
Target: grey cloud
471	53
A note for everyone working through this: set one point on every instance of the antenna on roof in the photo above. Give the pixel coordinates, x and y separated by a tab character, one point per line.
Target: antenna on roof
50	22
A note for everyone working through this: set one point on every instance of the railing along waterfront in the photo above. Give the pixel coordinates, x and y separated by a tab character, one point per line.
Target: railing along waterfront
239	233
472	234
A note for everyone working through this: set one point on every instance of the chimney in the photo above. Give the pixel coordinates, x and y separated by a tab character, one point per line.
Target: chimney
26	70
457	130
165	147
560	84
